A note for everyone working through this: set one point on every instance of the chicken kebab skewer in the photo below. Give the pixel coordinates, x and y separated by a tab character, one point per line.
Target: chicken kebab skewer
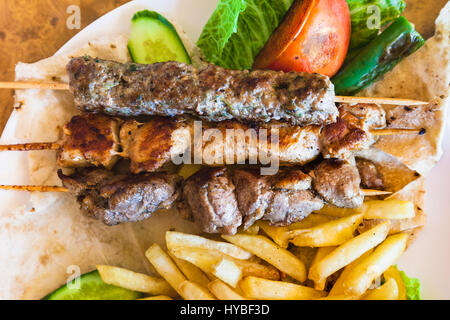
209	93
100	140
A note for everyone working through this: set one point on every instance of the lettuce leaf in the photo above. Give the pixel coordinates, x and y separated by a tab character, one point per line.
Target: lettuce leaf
238	29
363	13
412	286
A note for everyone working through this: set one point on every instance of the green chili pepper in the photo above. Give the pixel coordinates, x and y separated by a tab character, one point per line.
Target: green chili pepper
382	54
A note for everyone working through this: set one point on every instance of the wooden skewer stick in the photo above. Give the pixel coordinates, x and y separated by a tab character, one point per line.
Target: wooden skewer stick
35	188
30	146
367	192
393	101
56	146
34	85
371	192
341	99
392	132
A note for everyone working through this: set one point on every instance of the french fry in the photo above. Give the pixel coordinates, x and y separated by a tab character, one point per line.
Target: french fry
254	229
340	297
336	212
192	291
374	209
258	288
319	283
393	273
211	261
389	209
192	272
387	291
135	281
358	280
269	251
227	271
250	268
281	235
347	252
157	298
178	239
332	233
165	266
223	292
338	289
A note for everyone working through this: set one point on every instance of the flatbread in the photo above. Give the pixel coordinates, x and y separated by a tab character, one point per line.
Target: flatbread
425	76
52	236
43	241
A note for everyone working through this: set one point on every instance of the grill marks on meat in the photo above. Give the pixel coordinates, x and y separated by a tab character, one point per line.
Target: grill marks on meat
115	199
150	145
90	139
338	183
220	199
212	93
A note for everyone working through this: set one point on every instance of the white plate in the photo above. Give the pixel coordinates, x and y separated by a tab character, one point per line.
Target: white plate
428	258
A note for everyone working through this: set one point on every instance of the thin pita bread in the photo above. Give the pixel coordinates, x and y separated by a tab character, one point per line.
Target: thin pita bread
425	76
41	240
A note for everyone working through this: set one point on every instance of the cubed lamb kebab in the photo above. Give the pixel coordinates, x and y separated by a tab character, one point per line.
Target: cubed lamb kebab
219	199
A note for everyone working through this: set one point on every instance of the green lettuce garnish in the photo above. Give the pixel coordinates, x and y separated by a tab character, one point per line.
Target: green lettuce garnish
238	29
412	286
364	13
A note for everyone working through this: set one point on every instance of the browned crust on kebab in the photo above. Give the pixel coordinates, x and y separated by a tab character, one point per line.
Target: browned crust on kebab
92	137
211	93
148	145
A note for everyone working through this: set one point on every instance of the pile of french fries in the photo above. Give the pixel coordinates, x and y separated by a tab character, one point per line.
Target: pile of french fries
265	262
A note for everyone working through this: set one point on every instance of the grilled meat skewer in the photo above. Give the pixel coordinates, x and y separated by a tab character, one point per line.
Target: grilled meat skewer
211	93
115	199
220	199
95	139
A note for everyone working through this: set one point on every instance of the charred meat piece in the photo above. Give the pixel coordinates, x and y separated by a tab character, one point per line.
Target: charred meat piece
370	177
338	183
90	139
254	194
292	200
209	199
115	199
210	195
350	132
151	144
212	93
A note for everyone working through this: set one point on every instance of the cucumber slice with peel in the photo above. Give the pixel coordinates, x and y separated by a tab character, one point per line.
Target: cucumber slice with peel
154	39
92	287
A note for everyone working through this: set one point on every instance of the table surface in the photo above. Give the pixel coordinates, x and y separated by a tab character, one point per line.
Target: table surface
31	30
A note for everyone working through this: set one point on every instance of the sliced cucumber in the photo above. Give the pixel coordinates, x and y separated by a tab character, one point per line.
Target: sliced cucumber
154	39
93	288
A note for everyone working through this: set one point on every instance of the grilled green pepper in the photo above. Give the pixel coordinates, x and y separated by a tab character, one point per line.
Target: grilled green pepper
92	287
368	16
382	54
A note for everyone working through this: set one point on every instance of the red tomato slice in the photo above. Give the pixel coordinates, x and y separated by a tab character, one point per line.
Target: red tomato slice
313	37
